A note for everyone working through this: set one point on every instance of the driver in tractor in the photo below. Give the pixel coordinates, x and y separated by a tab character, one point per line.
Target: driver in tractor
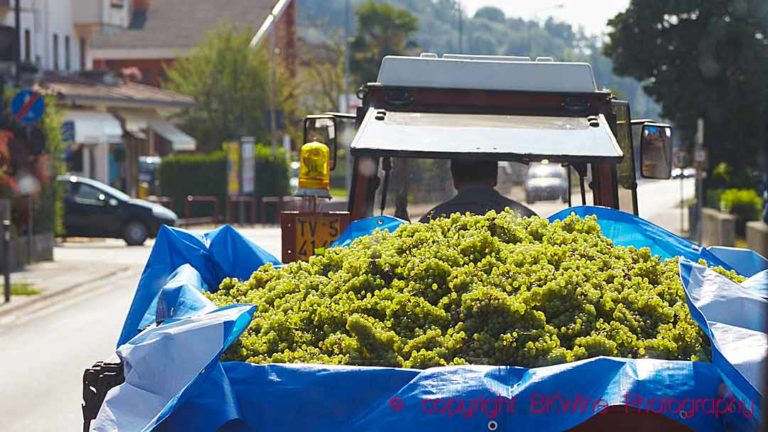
475	181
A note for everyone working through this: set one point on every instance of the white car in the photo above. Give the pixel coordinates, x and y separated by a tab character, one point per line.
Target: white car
546	181
683	172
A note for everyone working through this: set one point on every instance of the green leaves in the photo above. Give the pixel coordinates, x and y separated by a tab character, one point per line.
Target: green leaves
702	58
382	29
229	81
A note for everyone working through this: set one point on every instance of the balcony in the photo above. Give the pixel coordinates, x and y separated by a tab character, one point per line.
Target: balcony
100	13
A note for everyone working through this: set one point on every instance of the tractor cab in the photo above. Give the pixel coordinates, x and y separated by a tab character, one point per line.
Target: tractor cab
425	111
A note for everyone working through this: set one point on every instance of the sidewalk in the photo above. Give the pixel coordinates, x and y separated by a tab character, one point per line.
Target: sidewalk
53	279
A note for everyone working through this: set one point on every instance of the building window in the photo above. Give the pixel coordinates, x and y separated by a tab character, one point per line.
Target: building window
67	65
82	53
55	52
27	46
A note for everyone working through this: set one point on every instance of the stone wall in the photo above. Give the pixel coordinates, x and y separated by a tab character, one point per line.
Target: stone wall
718	229
757	237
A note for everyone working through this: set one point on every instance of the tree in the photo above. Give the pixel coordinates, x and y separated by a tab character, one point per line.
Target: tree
483	33
382	29
230	84
491	14
702	58
321	77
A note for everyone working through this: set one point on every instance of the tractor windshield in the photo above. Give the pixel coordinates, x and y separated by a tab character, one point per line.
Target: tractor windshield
416	185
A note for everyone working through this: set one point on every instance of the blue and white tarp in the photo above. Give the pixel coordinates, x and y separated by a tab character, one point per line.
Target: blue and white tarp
215	255
175	381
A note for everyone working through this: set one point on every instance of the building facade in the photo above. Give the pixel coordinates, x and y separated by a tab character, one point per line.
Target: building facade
56	34
160	31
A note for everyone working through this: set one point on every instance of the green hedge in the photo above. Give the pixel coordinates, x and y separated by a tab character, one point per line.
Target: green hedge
194	174
745	204
272	173
206	174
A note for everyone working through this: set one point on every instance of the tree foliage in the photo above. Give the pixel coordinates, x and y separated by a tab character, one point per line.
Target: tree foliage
489	31
702	59
230	84
321	77
382	29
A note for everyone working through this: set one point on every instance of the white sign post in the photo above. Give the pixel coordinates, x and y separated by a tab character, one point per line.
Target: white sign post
247	171
248	164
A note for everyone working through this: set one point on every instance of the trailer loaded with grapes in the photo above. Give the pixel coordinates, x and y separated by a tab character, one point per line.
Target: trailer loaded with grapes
590	319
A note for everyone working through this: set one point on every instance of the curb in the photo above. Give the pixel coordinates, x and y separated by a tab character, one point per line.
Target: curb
5	310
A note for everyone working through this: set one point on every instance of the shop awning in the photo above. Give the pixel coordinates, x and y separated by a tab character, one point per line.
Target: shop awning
179	140
137	123
134	123
93	127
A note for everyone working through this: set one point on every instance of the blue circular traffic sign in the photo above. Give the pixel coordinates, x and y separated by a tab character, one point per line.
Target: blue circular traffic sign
27	106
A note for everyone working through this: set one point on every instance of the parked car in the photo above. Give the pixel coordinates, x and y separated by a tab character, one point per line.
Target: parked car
683	172
94	209
545	182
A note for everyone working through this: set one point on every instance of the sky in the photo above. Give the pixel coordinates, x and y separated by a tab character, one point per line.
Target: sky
591	14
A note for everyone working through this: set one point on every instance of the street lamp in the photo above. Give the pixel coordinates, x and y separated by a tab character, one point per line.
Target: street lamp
268	27
345	92
535	18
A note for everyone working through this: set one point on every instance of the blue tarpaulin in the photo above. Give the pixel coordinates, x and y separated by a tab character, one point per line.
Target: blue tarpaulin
215	255
175	382
366	226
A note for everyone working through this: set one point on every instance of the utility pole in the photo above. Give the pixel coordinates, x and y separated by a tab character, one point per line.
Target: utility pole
345	92
461	25
535	18
17	48
699	157
345	83
272	90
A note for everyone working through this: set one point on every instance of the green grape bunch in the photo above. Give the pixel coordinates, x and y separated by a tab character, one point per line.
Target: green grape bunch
495	289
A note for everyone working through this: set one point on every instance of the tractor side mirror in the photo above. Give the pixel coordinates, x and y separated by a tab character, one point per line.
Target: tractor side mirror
322	128
656	151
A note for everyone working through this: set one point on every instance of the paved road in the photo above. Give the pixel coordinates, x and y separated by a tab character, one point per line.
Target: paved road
43	355
657	201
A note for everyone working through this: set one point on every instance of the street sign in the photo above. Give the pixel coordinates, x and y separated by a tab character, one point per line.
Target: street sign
68	132
248	164
27	106
303	233
233	168
701	156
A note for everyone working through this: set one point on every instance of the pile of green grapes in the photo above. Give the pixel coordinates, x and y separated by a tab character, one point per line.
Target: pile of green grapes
495	289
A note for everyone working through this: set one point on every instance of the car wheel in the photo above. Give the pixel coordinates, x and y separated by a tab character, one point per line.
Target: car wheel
529	199
135	233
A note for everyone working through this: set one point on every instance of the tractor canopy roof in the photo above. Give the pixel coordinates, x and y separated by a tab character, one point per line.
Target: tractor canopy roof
444	128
